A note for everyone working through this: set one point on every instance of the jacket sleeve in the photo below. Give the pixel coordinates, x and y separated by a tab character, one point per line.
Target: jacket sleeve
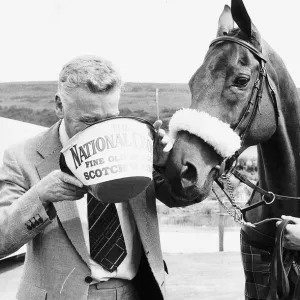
22	215
164	194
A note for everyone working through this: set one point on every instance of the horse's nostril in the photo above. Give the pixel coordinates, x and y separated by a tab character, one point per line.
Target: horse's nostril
188	175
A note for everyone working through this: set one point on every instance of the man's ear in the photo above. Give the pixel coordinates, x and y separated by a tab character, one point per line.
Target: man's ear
59	109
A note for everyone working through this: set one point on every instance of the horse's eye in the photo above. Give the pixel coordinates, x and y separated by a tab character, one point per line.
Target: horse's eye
241	81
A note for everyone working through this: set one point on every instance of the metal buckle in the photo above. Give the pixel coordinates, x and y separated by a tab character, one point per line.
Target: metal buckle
273	199
226	166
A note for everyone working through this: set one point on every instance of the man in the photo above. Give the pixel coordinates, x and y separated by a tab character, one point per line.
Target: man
48	209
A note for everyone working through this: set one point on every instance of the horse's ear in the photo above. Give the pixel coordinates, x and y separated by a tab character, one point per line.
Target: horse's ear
242	19
225	22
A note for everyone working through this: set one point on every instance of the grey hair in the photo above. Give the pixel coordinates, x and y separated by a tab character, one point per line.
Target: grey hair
91	73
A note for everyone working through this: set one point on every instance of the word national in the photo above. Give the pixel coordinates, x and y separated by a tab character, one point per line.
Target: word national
116	140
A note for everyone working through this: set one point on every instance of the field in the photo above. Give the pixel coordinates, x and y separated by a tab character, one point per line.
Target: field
33	102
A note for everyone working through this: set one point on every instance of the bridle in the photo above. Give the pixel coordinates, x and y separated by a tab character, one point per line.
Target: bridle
244	124
246	120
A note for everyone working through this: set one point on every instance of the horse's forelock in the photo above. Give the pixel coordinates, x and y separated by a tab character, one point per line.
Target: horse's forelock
236	32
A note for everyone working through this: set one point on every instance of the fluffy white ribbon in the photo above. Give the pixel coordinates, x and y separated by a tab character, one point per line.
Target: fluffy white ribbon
210	129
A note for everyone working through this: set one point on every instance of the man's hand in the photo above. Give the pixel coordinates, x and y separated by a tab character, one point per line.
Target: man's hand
292	233
162	146
59	186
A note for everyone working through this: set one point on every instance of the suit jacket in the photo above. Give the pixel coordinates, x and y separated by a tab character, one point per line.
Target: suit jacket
57	261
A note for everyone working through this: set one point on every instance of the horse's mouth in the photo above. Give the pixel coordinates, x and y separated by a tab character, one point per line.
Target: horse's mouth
194	193
182	195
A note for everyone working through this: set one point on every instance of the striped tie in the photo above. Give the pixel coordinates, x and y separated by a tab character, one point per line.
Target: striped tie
107	245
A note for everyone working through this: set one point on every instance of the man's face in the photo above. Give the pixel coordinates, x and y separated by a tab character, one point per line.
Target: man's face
83	109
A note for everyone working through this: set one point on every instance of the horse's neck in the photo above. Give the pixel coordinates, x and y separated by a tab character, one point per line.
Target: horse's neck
278	158
278	165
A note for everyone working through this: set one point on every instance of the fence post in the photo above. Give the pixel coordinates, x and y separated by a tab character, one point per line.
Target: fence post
221	227
156	102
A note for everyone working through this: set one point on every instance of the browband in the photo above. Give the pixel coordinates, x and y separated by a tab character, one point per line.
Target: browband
240	42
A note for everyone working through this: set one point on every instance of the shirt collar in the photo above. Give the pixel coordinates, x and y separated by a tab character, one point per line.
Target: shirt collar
63	136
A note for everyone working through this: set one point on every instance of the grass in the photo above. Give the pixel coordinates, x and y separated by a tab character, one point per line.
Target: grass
206	213
137	99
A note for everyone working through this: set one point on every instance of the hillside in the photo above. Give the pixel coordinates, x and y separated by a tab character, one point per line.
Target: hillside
33	102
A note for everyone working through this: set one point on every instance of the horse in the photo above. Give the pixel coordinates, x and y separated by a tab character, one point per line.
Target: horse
242	95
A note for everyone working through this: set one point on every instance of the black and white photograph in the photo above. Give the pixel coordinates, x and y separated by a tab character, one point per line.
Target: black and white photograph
149	150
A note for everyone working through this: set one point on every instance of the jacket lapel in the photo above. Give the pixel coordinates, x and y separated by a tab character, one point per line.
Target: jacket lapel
67	211
145	214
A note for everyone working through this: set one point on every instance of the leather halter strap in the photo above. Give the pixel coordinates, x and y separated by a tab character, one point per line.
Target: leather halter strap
243	43
248	118
252	106
245	122
267	196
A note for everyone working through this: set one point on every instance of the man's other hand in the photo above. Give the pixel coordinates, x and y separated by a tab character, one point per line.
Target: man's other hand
59	186
162	146
292	233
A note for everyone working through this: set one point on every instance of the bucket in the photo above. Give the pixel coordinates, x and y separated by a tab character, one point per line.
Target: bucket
113	158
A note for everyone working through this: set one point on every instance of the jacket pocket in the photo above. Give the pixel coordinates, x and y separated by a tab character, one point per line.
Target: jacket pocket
31	292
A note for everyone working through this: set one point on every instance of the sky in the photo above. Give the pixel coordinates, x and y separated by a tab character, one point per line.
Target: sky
149	40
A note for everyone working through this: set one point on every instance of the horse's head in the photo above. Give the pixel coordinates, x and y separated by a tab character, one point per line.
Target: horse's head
231	108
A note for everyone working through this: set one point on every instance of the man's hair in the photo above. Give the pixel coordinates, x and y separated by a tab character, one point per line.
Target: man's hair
91	73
